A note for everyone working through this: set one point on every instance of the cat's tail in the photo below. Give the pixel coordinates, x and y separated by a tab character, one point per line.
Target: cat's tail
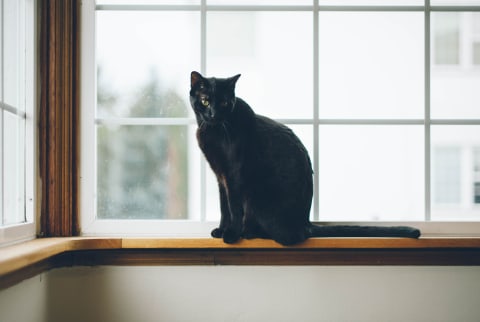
363	231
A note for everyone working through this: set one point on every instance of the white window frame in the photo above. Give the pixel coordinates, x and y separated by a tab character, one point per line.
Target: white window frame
27	230
181	228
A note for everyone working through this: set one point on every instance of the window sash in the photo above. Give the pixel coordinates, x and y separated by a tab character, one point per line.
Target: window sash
164	227
23	227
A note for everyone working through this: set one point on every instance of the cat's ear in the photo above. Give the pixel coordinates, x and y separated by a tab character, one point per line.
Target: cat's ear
195	77
233	80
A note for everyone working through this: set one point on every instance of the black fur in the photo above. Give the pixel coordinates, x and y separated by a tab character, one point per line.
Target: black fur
263	171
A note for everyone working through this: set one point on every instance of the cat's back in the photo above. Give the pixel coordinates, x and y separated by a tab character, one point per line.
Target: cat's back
277	144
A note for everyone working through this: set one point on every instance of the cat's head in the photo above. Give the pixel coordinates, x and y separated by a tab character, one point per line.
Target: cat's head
212	99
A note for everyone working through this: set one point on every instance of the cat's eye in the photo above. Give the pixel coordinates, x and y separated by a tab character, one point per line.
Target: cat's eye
205	102
224	103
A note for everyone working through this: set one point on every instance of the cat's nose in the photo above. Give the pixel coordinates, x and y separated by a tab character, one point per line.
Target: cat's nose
211	113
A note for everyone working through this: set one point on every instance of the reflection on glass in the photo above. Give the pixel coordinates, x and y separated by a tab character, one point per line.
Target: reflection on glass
454	71
272	51
140	60
371	65
143	172
371	173
455	172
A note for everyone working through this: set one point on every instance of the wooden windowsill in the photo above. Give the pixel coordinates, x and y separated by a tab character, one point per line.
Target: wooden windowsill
29	258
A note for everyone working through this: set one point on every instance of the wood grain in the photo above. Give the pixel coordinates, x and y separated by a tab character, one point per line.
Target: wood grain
209	251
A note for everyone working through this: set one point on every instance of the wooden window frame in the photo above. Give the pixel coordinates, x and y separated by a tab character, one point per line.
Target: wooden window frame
59	117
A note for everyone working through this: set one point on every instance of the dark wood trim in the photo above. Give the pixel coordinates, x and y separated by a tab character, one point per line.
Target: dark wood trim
284	257
59	117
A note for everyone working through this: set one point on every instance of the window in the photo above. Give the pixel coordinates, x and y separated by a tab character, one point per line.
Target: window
362	84
456	38
476	175
16	119
447	176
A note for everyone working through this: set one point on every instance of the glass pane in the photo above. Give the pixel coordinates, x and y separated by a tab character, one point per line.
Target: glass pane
371	173
261	2
13	38
304	132
476	175
372	2
143	172
371	65
14	165
148	2
1	167
272	51
455	2
455	172
446	38
143	67
476	53
454	77
446	175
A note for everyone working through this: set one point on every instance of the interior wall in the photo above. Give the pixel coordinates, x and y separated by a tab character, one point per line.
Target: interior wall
242	293
25	301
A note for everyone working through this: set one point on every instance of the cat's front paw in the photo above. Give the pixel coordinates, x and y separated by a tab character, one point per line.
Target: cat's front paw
217	233
231	236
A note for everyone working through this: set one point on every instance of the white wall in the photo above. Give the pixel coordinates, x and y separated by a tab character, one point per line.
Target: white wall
25	302
239	293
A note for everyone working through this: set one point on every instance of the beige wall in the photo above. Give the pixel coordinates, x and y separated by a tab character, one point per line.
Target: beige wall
239	293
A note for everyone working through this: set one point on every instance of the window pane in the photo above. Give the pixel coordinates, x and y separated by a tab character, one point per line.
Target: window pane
144	62
454	90
372	2
446	175
371	65
143	172
13	38
261	2
454	2
476	53
455	172
14	169
140	2
273	51
371	173
476	175
446	31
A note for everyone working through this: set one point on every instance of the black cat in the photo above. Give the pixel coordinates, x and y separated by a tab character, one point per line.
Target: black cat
263	171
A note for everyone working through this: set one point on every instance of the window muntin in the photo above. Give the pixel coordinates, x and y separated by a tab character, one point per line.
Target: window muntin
418	121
